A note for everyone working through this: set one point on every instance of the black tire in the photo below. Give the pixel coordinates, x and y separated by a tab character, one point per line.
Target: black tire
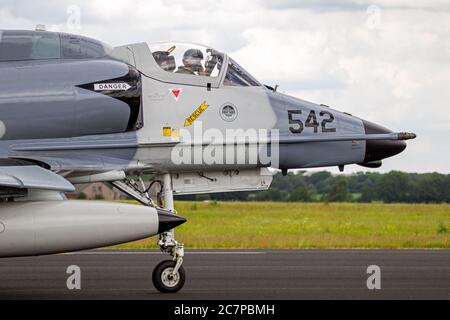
168	286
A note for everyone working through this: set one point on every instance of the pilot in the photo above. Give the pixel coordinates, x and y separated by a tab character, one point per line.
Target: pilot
192	63
165	60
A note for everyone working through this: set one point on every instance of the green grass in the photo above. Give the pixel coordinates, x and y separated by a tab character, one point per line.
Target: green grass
265	225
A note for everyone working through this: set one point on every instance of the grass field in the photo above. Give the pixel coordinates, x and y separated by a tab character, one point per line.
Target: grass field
265	225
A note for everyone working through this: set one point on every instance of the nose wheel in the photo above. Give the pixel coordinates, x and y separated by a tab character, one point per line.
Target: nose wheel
166	280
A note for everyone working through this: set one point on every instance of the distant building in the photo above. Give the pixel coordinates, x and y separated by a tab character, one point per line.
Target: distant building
95	191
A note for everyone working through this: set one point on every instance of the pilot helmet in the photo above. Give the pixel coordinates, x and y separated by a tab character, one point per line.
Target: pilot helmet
193	59
164	60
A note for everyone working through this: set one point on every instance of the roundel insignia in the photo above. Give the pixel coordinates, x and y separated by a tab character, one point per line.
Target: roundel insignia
228	112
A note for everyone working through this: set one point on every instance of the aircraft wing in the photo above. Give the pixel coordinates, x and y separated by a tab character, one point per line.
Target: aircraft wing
32	177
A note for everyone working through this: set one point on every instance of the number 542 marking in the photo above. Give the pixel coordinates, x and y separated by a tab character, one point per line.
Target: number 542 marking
297	126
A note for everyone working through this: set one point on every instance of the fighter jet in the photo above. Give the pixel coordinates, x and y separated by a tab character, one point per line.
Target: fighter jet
155	120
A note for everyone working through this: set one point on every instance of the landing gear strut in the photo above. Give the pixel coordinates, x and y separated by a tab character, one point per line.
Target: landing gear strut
168	276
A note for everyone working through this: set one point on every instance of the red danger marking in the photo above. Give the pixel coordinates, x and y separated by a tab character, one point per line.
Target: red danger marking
176	93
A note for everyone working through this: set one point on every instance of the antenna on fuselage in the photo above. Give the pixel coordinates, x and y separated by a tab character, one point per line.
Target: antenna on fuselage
41	27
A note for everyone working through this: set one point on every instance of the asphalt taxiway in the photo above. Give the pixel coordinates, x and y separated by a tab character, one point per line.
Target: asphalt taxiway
234	274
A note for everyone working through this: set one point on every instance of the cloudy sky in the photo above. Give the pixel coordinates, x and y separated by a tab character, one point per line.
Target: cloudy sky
387	61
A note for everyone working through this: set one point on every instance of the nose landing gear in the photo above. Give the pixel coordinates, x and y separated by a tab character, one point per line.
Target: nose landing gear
168	276
168	272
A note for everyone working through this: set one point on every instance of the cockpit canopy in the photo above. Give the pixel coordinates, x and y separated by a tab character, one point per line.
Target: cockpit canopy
198	60
20	45
188	59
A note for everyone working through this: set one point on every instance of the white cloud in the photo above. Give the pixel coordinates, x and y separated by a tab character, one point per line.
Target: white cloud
395	73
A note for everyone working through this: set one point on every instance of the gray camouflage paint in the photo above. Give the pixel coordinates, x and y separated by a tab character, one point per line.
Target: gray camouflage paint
50	119
41	100
306	155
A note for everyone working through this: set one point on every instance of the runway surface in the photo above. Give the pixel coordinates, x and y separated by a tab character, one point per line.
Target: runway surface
231	274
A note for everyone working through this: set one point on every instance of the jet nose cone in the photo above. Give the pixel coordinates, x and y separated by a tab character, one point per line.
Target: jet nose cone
381	149
168	220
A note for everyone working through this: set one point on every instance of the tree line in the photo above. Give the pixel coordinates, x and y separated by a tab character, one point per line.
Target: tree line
392	187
